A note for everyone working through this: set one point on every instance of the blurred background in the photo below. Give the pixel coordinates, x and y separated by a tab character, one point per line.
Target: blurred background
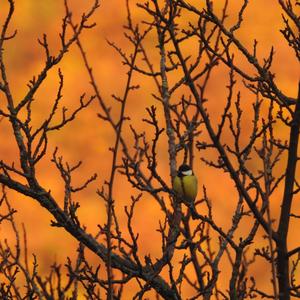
88	138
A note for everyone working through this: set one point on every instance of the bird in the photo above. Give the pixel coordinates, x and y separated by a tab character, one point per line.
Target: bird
185	186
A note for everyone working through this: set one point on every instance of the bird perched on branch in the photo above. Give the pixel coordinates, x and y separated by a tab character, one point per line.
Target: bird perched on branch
185	186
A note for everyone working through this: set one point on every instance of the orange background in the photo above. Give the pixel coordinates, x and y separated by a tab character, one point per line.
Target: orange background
88	138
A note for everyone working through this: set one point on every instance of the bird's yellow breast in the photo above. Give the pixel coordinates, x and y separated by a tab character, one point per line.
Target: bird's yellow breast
186	186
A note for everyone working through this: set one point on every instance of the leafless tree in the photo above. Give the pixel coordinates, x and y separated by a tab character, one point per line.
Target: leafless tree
194	244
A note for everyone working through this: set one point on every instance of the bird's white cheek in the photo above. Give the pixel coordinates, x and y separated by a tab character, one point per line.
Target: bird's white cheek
187	173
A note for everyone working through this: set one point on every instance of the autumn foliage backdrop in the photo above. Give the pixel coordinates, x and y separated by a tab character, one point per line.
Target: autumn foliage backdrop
88	138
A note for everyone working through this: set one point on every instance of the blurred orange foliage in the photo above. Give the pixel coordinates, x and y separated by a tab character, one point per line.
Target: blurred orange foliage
88	138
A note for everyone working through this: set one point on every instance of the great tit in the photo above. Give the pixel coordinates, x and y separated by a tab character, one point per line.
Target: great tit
185	185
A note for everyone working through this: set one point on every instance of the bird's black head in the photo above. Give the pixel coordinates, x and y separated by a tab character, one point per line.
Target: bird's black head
184	170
